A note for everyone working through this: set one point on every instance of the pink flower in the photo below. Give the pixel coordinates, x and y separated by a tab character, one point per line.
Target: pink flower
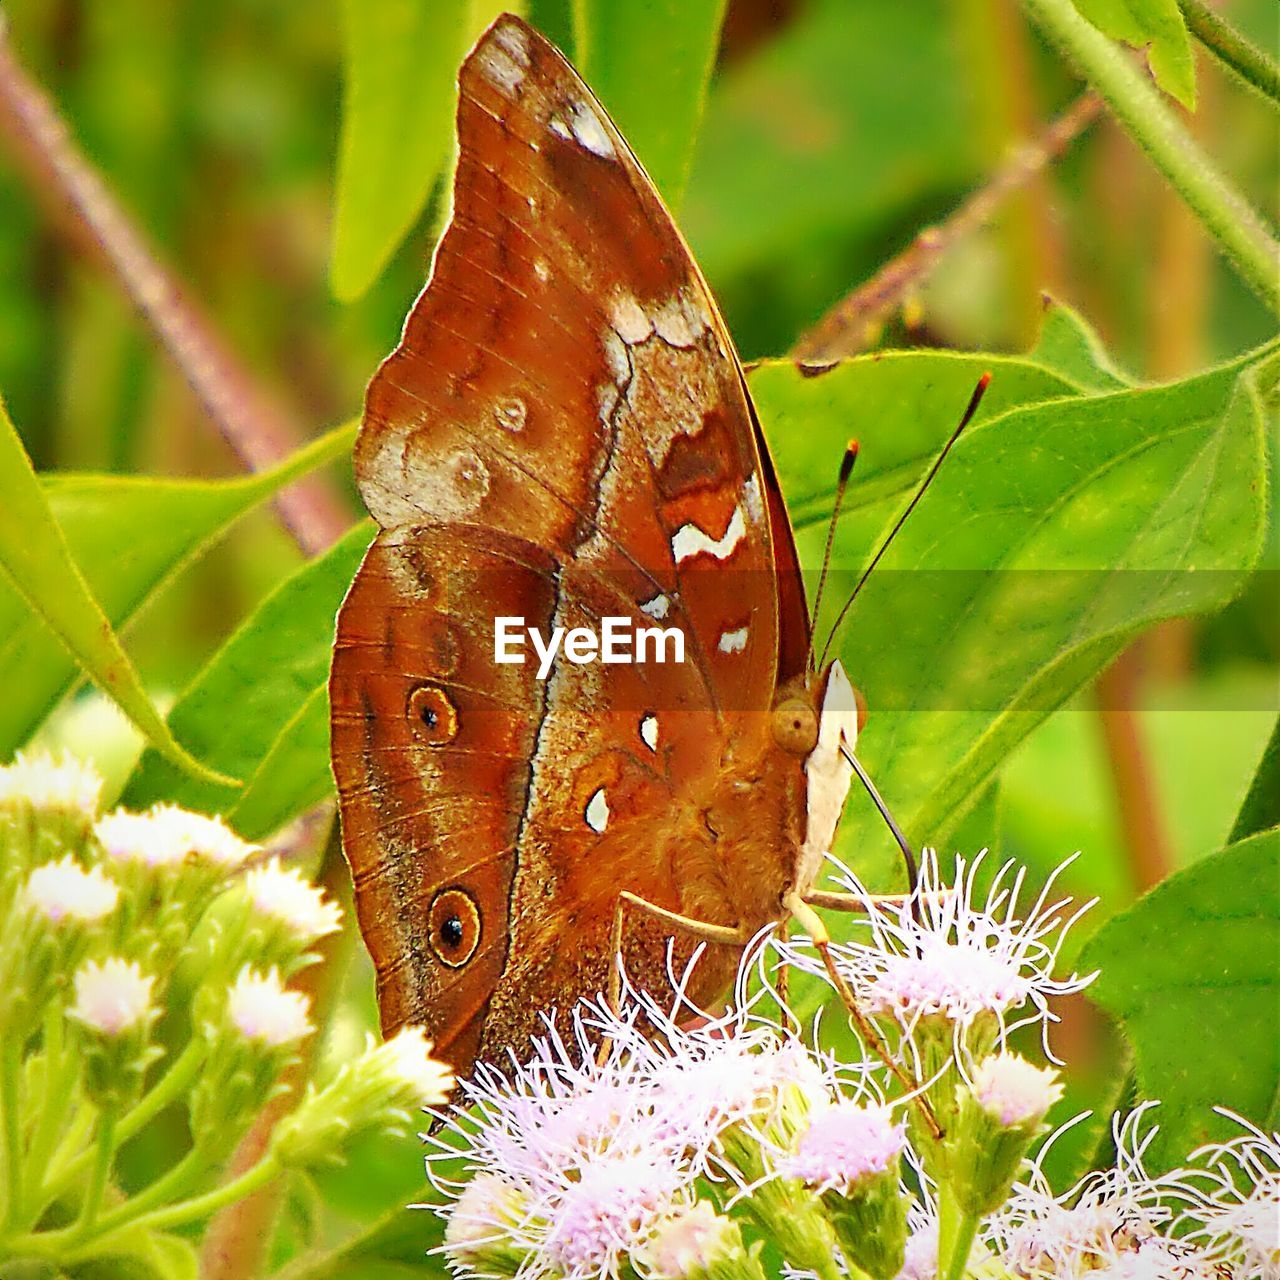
846	1145
941	954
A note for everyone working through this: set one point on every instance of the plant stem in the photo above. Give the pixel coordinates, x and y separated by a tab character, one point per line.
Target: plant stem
173	1215
968	1228
1226	215
173	1083
10	1087
56	1092
104	1156
1232	49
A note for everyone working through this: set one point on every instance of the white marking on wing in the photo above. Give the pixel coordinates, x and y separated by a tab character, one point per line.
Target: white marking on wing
658	607
733	641
629	320
649	731
597	814
506	59
689	540
590	131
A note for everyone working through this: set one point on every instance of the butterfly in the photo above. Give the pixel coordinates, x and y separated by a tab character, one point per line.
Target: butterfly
564	436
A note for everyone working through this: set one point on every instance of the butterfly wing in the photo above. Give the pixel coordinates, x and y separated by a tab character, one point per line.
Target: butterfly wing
565	383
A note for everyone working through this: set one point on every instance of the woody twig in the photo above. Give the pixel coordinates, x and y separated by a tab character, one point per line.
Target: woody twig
849	325
255	427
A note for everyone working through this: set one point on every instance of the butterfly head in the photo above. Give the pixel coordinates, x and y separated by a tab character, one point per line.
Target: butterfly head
803	704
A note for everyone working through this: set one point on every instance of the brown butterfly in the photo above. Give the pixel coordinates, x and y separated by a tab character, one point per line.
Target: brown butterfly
562	436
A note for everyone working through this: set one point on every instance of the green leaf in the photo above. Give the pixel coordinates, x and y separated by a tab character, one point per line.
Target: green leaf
1155	23
649	62
1190	972
272	672
1261	808
129	536
1068	345
36	560
1055	530
399	76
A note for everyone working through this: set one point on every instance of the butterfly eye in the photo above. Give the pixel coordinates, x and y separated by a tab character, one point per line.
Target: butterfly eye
432	715
453	927
795	726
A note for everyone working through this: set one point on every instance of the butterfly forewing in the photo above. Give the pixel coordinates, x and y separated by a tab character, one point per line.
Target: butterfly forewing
564	423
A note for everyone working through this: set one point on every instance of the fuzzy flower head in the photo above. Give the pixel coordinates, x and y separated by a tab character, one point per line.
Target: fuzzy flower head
1238	1222
290	899
609	1209
1113	1223
45	783
64	890
112	997
405	1064
261	1009
168	836
1013	1090
849	1145
943	954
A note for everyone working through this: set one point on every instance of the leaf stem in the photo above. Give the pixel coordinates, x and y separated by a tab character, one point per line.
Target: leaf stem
1232	49
1225	214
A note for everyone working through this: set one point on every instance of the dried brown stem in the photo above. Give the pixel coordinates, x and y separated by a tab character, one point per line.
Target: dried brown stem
845	329
1142	825
257	429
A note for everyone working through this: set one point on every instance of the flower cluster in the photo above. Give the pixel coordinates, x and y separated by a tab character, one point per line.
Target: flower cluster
145	961
647	1142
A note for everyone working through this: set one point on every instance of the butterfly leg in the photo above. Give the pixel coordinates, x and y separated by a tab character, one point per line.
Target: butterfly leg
703	930
812	923
830	900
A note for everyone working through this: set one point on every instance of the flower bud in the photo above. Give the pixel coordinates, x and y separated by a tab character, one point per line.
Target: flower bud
997	1120
114	1009
376	1091
852	1157
697	1243
46	808
484	1229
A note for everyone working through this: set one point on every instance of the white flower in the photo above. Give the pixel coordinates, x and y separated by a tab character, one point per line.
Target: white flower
848	1144
167	836
406	1060
260	1008
48	783
203	837
1240	1224
939	953
1119	1218
112	996
287	896
137	837
1014	1090
64	890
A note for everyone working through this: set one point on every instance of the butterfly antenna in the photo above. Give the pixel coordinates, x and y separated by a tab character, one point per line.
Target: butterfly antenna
908	857
974	401
842	483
